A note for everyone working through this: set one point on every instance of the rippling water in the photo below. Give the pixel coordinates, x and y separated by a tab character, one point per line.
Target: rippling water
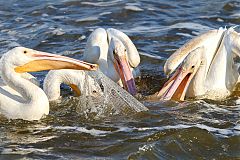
190	130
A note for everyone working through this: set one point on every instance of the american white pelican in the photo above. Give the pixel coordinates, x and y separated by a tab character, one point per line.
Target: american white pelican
80	82
20	97
207	70
115	54
99	94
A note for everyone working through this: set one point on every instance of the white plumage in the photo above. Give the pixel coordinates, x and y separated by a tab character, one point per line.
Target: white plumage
79	81
115	54
20	96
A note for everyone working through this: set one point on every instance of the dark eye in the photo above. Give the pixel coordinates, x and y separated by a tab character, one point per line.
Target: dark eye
24	52
193	67
125	50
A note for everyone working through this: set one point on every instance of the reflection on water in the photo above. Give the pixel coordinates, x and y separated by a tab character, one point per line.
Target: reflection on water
190	130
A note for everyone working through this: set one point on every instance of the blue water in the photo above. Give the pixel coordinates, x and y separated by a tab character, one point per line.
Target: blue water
190	130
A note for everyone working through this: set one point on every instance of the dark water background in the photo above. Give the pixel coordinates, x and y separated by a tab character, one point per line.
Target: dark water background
190	130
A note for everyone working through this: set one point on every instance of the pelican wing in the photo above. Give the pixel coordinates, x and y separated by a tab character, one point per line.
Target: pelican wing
223	69
209	40
7	91
13	94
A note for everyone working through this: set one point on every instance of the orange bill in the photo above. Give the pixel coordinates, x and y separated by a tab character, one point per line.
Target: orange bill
46	61
123	68
175	88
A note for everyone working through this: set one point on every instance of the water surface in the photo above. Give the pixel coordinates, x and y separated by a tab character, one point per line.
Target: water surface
200	129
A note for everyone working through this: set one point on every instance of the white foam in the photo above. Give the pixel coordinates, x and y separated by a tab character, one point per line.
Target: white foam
186	25
133	8
218	131
58	31
236	15
93	132
145	148
22	151
102	4
91	18
222	132
191	26
213	107
104	13
184	34
238	102
151	56
237	127
52	7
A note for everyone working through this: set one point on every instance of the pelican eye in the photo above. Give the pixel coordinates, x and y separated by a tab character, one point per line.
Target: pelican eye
193	67
25	52
125	50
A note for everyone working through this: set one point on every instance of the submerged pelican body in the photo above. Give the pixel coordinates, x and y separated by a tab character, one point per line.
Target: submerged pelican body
80	82
20	96
204	67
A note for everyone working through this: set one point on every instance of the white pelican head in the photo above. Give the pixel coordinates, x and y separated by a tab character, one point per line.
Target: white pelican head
118	53
176	87
28	60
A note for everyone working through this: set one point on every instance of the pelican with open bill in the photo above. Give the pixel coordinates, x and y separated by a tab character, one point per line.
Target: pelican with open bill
204	67
20	97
